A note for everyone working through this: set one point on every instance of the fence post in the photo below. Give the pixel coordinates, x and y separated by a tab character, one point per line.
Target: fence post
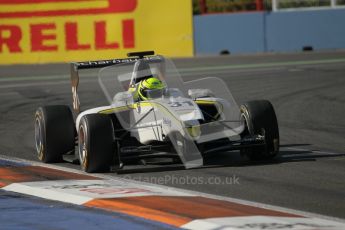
259	5
203	7
275	5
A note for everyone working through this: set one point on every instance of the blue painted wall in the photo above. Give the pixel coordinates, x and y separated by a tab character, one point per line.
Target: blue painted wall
237	33
277	32
290	31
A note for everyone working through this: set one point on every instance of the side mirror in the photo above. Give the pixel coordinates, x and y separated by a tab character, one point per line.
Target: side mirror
199	93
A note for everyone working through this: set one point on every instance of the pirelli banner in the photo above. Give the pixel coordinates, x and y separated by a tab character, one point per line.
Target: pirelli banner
43	31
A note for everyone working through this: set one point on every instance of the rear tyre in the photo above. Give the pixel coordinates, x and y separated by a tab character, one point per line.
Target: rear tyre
54	132
260	119
96	143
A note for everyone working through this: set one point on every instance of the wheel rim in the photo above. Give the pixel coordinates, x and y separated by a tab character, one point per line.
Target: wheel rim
39	138
82	147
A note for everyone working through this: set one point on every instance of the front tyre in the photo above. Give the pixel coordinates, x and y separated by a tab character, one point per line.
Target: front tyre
54	132
260	119
96	143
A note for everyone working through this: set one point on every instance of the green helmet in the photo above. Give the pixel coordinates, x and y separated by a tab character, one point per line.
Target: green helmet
150	88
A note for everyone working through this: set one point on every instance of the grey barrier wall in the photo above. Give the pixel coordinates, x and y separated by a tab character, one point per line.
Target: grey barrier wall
269	31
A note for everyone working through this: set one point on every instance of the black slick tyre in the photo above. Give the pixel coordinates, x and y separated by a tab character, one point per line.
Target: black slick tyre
54	132
96	143
260	119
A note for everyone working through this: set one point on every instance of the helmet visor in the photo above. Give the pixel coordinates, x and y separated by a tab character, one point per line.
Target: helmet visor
153	93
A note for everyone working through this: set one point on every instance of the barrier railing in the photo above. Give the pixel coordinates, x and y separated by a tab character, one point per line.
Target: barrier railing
279	5
233	6
226	6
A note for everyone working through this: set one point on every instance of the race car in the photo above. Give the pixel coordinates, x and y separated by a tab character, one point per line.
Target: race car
177	120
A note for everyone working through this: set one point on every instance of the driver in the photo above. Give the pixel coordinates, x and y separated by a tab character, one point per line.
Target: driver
148	88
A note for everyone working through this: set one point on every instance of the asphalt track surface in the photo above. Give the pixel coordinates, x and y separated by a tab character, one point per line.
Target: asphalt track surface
306	89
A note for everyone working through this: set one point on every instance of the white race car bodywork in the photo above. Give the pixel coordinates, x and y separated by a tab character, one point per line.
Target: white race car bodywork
154	120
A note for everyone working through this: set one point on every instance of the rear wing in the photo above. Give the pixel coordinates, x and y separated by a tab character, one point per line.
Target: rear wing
76	66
